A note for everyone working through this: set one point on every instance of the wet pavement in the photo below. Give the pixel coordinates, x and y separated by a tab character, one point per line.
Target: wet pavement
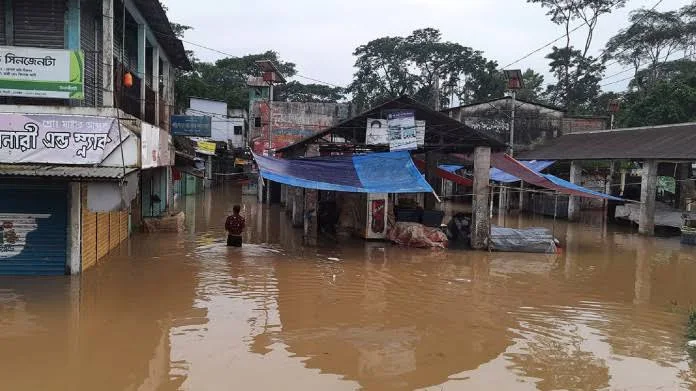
169	312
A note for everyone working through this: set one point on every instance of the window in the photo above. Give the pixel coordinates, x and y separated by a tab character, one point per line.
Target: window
257	122
237	130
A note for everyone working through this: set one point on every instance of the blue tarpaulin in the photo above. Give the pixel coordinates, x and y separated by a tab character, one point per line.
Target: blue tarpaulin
572	186
450	167
387	172
534	165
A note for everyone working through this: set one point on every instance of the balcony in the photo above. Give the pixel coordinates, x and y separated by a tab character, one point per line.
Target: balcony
128	99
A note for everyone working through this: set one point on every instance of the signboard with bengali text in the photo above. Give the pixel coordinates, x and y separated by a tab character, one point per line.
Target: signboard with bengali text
191	125
41	73
57	139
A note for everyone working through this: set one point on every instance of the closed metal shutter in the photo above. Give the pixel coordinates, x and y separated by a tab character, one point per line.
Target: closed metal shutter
40	23
114	230
33	228
90	43
89	234
102	235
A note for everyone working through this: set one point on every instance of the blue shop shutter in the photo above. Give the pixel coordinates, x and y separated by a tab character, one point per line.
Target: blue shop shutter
33	228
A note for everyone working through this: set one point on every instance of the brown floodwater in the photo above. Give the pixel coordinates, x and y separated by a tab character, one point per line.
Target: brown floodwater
169	312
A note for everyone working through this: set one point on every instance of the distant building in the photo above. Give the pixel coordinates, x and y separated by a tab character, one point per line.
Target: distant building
534	122
228	125
285	123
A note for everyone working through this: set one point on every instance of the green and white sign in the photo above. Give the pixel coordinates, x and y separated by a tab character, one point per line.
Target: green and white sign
41	73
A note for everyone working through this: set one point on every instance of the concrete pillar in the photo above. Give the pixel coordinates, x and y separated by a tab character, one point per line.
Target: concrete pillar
311	223
142	55
297	207
268	191
521	199
481	223
432	178
502	200
108	53
648	187
260	188
574	202
74	256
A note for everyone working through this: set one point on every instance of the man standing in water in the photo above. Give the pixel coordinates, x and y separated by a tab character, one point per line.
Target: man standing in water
234	226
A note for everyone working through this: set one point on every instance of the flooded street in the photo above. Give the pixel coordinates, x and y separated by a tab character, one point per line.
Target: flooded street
170	312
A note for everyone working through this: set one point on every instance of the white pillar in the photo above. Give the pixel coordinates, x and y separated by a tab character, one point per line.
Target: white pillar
155	81
108	53
574	202
481	223
74	259
141	66
648	187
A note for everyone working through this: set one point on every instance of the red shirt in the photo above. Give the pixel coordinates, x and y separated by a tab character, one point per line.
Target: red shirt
235	224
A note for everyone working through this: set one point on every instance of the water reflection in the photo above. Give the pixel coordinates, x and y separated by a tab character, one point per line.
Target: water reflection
184	311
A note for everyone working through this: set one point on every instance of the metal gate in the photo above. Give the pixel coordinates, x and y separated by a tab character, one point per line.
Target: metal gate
39	23
33	228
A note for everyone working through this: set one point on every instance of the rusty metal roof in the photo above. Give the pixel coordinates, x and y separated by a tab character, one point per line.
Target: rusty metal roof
68	172
665	142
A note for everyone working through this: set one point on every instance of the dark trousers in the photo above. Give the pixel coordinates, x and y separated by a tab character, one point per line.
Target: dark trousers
234	240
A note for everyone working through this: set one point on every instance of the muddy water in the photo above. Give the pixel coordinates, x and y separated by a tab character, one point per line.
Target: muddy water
183	311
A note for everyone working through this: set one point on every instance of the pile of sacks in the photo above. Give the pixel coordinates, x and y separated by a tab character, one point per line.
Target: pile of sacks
417	235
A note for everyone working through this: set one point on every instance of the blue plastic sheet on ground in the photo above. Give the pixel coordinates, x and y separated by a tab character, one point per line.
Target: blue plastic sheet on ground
535	165
387	172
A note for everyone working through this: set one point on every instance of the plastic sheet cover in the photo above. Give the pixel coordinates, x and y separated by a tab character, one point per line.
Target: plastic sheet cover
534	165
527	240
387	172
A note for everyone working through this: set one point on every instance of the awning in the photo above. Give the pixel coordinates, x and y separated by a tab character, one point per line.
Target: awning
445	174
450	167
534	165
388	172
68	172
507	164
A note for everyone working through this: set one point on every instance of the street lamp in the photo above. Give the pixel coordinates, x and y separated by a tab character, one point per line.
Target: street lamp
613	107
514	83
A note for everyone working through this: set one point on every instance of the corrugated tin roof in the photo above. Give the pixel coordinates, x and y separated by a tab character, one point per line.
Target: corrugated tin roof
45	170
667	142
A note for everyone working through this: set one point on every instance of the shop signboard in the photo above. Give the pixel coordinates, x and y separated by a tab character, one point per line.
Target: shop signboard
41	73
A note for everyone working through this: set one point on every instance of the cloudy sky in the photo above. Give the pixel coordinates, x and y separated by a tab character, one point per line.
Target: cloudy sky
320	36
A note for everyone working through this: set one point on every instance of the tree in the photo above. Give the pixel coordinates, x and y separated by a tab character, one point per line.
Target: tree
651	39
577	72
297	92
533	86
424	66
670	99
577	78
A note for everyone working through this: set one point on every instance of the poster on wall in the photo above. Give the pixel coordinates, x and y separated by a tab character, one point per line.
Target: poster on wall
377	132
14	229
154	145
41	73
57	139
402	130
377	220
420	133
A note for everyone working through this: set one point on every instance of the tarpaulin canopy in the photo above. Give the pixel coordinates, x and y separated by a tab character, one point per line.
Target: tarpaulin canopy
387	172
450	167
446	174
498	175
507	164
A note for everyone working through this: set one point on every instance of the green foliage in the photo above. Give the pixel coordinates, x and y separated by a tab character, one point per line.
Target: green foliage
297	92
422	65
671	99
533	86
577	78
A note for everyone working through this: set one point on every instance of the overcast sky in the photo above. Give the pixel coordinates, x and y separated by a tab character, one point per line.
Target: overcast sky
320	36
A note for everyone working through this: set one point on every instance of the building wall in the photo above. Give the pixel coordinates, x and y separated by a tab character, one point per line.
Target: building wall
533	123
291	122
223	123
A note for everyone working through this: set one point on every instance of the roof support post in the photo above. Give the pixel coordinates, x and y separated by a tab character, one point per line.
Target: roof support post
481	223
648	188
573	201
108	53
311	224
432	178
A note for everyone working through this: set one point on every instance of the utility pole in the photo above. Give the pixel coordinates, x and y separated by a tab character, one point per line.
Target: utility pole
515	82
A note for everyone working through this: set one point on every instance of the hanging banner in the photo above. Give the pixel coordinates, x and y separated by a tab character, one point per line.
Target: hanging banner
57	139
377	132
402	130
420	133
191	125
41	73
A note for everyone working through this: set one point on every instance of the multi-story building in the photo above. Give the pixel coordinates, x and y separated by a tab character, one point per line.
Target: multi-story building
86	88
